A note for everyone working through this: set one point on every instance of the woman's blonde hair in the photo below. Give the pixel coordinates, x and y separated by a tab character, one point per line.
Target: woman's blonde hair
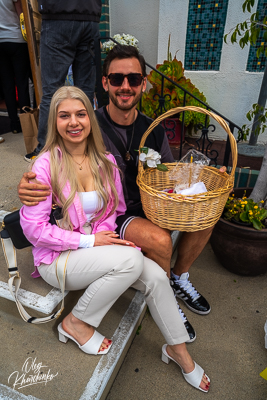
61	166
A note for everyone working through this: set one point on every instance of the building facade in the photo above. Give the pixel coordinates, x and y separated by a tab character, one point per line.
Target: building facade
230	77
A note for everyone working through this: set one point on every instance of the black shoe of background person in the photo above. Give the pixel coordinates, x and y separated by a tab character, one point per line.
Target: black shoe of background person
31	156
16	127
184	290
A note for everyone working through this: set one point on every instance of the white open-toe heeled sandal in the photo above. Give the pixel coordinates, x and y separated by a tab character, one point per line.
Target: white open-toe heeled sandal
92	346
194	377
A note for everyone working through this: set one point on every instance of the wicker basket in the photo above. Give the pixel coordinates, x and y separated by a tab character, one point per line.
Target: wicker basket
185	213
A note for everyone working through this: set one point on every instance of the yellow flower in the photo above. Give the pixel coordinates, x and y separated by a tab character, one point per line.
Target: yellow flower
250	212
262	201
256	207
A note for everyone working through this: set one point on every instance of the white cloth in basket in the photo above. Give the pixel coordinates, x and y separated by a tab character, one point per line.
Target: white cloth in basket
196	188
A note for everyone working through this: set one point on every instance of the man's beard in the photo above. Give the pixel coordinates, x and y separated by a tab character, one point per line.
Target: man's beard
135	100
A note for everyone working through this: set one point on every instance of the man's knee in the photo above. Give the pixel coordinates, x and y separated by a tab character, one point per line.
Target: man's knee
159	242
149	237
163	239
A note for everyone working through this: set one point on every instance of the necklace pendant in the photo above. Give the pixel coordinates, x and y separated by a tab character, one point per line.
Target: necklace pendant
127	156
80	168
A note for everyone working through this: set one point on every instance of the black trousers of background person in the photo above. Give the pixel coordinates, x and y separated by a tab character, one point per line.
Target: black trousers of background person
15	70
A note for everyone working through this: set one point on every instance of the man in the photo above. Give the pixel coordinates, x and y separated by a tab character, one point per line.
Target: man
69	28
122	126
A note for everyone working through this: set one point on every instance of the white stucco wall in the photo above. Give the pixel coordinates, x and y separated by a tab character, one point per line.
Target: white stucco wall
138	18
231	90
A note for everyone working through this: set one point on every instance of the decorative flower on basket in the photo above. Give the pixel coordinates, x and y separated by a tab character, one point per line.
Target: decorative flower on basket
124	39
151	158
246	211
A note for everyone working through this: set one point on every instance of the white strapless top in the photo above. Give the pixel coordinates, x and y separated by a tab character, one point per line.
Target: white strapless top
90	203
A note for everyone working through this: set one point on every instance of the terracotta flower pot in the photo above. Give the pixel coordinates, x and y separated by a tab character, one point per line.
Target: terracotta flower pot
241	250
173	130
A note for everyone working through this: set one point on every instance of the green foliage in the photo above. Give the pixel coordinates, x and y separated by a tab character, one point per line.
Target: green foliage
174	95
245	33
162	167
245	210
261	113
248	32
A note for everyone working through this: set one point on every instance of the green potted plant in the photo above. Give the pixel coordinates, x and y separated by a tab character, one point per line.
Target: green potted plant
174	96
245	211
240	236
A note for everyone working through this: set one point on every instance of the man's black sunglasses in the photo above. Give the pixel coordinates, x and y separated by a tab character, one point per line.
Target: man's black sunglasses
117	79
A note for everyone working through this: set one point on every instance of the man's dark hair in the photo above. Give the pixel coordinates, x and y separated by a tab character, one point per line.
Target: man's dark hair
121	52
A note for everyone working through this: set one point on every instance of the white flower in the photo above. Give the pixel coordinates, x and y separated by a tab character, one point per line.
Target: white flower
152	158
122	39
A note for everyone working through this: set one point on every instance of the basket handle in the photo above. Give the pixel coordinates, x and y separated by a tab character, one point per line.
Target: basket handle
177	110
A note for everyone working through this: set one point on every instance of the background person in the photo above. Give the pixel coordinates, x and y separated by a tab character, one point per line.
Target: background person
15	67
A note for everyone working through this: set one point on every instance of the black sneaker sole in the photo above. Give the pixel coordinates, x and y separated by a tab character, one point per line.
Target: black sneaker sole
192	308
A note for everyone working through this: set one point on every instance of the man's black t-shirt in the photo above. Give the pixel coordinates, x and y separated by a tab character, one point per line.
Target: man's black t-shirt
156	140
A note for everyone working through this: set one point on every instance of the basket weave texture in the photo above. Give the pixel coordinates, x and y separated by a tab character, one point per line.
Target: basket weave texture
185	213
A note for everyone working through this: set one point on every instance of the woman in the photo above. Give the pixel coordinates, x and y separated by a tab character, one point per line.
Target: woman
85	182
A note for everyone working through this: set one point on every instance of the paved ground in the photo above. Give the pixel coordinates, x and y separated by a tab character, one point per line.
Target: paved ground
229	344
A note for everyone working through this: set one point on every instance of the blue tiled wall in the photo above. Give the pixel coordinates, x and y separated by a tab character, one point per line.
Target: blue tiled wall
258	64
104	23
205	30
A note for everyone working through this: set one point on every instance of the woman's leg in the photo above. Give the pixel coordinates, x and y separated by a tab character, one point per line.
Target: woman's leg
105	272
154	284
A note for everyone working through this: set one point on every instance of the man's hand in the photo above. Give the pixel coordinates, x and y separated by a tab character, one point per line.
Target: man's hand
223	169
31	193
106	238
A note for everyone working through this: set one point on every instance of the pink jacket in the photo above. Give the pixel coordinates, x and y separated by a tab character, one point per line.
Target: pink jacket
49	240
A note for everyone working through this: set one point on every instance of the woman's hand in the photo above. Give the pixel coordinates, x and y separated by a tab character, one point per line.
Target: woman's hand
106	238
31	193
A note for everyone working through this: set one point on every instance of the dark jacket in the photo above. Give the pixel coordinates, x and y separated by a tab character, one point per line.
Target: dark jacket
81	10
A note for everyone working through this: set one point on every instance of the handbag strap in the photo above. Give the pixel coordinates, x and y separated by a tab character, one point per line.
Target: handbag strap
15	279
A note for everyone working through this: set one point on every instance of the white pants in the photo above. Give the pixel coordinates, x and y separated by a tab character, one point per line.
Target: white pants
105	272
